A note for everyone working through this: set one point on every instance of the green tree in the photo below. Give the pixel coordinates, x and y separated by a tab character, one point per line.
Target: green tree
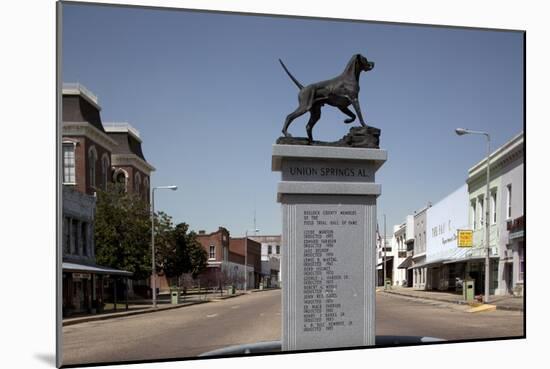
188	255
165	243
122	231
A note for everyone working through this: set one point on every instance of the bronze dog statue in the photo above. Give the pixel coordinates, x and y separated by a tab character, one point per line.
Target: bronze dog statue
340	92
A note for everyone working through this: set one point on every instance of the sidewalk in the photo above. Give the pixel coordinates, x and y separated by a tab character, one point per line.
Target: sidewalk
163	303
501	302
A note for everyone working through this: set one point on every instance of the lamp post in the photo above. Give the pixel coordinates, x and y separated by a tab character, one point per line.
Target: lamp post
153	275
384	250
460	132
246	258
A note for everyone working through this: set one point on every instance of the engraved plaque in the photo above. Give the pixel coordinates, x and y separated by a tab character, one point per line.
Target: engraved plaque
328	265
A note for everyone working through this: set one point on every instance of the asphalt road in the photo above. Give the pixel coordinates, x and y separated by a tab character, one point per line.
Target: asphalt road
256	317
177	333
402	316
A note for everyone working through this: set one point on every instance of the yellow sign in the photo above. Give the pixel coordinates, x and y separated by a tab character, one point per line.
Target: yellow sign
465	238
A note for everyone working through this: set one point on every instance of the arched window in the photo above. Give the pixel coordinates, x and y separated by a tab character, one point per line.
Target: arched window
145	188
121	176
137	183
105	168
92	162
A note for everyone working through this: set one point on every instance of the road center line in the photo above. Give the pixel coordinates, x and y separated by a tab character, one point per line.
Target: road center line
211	315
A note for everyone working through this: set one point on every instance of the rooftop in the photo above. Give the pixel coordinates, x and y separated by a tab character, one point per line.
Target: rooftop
121	127
76	88
497	155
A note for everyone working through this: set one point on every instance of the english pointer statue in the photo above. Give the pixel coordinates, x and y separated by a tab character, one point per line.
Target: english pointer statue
340	92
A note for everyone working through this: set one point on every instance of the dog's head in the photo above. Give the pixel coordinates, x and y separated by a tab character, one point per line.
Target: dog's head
363	63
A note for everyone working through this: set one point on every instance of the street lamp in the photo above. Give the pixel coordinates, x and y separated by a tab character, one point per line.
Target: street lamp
461	132
153	276
245	257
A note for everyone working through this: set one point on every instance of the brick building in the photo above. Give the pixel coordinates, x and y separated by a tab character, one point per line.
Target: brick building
128	161
237	248
92	157
226	259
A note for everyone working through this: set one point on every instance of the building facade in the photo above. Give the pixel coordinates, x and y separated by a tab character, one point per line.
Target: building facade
506	217
253	250
128	161
271	259
90	162
446	263
385	254
419	248
87	287
399	245
226	260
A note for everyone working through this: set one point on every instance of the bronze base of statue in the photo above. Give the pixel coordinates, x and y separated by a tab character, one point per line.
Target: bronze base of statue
364	137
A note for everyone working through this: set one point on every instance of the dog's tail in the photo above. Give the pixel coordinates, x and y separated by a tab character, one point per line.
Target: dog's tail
300	86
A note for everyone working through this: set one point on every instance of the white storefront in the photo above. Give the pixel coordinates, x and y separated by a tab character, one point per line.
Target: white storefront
443	220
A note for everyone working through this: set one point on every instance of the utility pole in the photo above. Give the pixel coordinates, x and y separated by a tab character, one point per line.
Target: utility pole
487	202
384	250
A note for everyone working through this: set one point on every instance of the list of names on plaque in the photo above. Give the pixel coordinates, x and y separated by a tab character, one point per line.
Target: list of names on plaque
324	274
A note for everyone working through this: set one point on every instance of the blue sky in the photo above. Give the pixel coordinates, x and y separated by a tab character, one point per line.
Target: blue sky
209	98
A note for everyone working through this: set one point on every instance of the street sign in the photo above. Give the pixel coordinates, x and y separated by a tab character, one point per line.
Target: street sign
465	238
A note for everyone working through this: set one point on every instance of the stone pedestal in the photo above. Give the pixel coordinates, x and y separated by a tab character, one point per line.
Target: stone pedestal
328	197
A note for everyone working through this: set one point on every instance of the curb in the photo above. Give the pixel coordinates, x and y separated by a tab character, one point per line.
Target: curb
460	302
92	318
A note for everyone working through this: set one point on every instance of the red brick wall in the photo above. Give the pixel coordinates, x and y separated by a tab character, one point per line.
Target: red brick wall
215	239
254	251
83	182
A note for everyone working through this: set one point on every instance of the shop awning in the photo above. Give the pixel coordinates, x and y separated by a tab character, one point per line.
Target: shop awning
406	263
93	268
428	263
470	258
388	258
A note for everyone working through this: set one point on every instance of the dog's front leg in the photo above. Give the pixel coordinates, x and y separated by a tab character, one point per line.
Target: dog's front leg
357	108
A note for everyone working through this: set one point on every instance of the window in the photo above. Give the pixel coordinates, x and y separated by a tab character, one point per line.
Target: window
74	237
84	238
92	162
509	201
104	171
278	249
212	254
494	207
66	235
137	182
269	250
68	163
480	211
145	188
121	176
473	219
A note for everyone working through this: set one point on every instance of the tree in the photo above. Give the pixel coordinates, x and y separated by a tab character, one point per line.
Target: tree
178	250
190	254
165	244
122	231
